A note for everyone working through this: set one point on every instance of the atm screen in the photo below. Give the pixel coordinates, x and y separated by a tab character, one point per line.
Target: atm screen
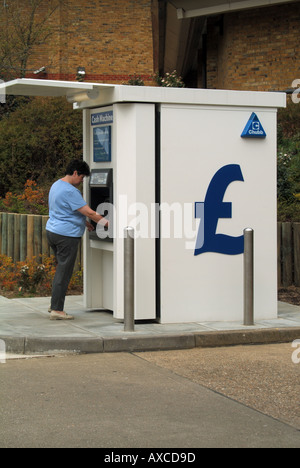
99	178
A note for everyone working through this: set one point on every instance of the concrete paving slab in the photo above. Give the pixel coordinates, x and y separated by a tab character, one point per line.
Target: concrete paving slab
281	323
3	301
284	308
25	325
230	326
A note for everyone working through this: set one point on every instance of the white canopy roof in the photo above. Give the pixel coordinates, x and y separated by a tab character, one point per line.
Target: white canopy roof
32	87
89	95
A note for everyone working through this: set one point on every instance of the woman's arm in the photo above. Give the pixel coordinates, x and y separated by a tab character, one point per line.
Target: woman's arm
89	213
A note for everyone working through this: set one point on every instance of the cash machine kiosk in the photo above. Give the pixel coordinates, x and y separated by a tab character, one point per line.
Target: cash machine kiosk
189	170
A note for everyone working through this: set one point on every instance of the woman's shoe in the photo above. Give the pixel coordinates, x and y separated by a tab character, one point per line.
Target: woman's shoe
63	316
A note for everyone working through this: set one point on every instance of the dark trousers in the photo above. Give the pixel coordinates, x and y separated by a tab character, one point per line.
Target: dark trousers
65	250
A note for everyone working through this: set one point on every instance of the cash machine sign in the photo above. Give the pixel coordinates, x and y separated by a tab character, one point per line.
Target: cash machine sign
254	128
102	118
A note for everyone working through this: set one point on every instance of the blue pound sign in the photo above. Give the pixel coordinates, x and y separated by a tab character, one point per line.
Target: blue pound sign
214	208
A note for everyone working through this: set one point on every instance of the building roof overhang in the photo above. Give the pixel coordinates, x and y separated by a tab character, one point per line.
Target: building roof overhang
196	8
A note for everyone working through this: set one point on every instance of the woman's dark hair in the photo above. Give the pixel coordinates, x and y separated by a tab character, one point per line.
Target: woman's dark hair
80	166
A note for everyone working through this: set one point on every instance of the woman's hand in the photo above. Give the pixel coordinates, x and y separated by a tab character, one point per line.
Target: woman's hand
89	213
90	227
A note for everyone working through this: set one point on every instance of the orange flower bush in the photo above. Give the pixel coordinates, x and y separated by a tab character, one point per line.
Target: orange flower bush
8	279
33	200
33	277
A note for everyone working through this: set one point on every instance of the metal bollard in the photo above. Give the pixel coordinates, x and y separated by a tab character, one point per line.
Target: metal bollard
249	277
129	279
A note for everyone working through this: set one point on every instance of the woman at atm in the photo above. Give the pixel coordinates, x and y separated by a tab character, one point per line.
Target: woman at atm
68	213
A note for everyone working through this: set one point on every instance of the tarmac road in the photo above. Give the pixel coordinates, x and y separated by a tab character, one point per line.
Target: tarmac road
124	401
261	377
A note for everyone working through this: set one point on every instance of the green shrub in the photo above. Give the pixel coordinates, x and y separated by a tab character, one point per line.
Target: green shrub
289	163
37	141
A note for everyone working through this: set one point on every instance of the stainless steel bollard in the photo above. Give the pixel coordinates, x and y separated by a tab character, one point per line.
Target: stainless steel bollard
129	279
249	277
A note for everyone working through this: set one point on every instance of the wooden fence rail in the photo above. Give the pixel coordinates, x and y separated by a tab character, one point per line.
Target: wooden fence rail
23	236
288	254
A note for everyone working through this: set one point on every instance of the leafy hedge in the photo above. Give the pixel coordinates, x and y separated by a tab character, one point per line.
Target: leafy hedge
289	163
37	140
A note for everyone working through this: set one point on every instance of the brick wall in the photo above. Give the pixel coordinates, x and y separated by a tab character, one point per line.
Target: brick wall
255	50
112	39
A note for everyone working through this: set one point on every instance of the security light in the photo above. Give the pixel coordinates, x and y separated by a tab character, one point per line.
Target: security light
81	71
40	70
